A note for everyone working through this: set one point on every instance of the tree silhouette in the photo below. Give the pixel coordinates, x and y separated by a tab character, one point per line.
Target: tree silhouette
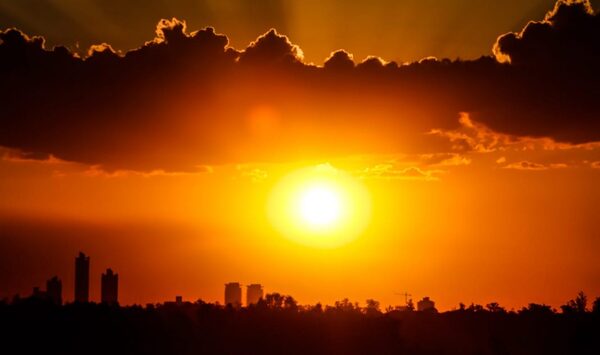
475	308
596	306
317	308
494	307
577	305
290	303
537	309
372	307
346	305
274	300
279	325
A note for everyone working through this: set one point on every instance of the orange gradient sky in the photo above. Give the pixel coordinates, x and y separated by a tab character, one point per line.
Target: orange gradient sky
478	232
462	206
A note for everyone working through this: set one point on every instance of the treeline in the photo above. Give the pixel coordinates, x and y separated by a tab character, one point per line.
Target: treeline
279	325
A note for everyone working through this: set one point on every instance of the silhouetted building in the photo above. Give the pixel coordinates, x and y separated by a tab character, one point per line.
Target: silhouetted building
54	290
82	278
254	293
177	303
233	294
39	294
109	286
426	305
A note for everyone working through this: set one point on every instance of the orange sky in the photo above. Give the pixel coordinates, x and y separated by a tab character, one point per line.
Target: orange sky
477	232
466	206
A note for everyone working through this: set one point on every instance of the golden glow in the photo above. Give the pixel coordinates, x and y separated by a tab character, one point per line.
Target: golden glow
320	206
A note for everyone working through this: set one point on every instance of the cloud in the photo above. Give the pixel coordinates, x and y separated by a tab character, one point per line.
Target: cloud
339	60
454	160
62	168
472	136
184	98
270	49
101	49
254	174
435	160
170	31
98	171
568	36
527	165
550	87
390	172
17	156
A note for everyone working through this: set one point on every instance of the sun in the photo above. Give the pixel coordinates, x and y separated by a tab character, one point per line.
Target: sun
320	206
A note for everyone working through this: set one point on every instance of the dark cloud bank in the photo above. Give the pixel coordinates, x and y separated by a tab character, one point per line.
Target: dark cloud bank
185	99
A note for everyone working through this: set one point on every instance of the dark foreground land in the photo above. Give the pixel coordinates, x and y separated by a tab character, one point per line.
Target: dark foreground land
33	326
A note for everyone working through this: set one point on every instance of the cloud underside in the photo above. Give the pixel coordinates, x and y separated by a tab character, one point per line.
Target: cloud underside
185	99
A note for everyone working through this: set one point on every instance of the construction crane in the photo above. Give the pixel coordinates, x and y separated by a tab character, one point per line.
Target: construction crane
405	294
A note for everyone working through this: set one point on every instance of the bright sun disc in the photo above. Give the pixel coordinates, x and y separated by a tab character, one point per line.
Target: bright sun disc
320	206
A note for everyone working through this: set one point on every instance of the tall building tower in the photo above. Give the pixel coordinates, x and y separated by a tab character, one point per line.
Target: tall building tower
109	285
82	278
233	294
254	293
54	290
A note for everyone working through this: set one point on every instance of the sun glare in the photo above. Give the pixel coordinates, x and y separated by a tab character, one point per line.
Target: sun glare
320	206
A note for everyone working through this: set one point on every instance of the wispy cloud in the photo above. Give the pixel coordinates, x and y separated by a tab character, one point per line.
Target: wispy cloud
389	171
527	165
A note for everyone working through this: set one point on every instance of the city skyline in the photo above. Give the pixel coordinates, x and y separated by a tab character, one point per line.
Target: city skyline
109	282
255	298
109	285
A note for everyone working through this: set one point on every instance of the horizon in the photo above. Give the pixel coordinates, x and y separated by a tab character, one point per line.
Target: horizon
38	291
281	149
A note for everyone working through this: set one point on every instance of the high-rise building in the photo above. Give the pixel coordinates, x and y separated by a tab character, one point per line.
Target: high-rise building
109	286
254	293
54	290
82	278
233	294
